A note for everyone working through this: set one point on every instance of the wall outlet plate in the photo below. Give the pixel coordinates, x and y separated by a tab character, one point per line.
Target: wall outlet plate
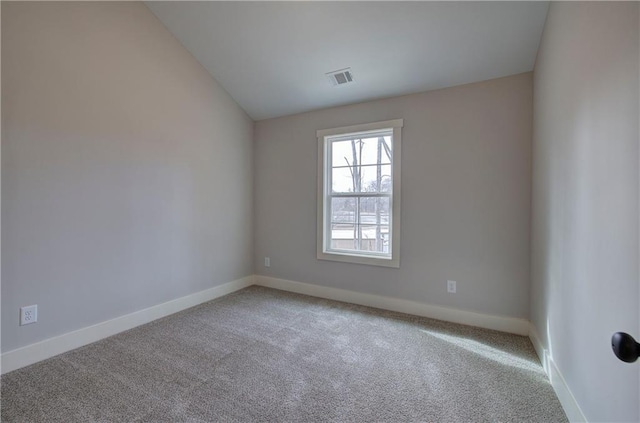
267	262
28	315
451	287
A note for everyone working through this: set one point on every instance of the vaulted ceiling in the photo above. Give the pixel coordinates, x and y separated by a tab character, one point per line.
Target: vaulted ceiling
272	56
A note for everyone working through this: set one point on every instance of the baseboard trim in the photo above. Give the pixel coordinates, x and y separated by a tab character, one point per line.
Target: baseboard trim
539	347
559	384
24	356
499	323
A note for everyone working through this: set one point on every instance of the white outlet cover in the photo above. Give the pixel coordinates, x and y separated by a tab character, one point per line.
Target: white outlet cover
451	286
28	315
267	262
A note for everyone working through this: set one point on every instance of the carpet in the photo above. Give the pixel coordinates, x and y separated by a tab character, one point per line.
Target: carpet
263	355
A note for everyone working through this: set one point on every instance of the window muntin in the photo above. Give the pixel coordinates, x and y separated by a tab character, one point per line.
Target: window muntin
359	194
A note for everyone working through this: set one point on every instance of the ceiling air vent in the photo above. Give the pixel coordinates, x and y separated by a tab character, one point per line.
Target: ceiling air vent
340	77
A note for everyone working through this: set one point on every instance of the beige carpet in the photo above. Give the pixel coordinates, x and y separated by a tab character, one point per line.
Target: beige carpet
271	356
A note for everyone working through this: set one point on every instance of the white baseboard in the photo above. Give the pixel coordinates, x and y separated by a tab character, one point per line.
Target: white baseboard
42	350
539	347
500	323
565	396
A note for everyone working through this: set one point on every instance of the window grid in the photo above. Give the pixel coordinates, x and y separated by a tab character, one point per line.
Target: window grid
358	194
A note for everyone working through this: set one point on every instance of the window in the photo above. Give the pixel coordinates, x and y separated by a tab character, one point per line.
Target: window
359	193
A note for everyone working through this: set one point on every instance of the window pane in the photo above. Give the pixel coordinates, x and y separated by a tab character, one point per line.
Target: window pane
369	178
374	210
342	153
343	236
364	238
369	152
366	179
387	150
343	210
365	151
374	238
341	180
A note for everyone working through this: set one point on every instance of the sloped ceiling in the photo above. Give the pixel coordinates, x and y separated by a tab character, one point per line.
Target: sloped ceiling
272	56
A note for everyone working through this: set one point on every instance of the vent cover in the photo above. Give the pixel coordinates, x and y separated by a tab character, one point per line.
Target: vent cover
340	77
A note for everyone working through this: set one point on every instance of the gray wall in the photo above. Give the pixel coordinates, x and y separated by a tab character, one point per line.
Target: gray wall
585	200
466	189
126	169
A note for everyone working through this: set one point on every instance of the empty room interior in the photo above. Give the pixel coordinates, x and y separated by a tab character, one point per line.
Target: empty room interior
320	211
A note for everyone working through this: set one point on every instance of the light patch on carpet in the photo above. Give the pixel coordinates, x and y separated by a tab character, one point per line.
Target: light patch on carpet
486	351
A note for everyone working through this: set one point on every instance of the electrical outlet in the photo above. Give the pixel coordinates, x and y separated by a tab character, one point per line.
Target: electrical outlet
267	262
451	287
28	315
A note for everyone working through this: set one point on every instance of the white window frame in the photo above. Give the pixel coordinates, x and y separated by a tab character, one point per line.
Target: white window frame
323	224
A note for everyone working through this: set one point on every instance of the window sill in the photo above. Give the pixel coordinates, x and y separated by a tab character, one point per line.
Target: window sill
360	259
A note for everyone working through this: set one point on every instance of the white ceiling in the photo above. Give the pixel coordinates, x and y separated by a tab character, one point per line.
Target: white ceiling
272	56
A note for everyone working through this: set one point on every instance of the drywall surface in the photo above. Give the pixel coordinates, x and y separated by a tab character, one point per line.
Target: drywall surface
585	201
126	169
466	187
